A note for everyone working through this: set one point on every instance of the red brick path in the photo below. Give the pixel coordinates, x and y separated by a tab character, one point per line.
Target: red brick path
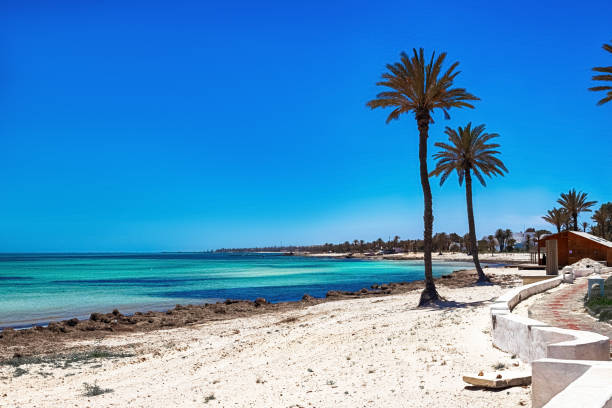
565	308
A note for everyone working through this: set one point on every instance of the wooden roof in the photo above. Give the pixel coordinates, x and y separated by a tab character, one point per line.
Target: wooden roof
585	235
597	239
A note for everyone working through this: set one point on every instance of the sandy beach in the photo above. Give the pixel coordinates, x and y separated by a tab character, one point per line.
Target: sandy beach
364	352
506	257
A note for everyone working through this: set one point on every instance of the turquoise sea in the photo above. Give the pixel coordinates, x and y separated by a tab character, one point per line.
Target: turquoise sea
39	288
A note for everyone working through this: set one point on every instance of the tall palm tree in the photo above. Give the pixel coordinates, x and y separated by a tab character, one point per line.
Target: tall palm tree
575	203
419	86
557	217
469	152
606	77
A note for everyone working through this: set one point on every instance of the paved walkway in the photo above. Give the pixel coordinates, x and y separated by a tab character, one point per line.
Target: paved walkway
565	308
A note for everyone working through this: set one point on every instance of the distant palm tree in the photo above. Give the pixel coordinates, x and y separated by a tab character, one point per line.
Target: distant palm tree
557	217
500	235
419	86
469	151
575	203
606	77
603	220
491	240
584	226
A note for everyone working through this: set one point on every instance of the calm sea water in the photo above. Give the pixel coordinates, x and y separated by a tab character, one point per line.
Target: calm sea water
40	288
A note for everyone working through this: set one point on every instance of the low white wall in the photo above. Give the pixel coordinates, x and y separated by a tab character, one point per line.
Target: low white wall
549	349
571	383
515	334
531	339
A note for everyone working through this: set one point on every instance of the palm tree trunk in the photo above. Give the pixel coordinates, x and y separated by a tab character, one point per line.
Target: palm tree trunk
470	210
575	215
429	294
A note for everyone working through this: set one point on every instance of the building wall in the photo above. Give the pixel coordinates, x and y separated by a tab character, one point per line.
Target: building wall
580	247
585	248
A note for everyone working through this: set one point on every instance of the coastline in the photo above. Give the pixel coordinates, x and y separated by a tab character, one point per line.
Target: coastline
372	350
50	338
511	258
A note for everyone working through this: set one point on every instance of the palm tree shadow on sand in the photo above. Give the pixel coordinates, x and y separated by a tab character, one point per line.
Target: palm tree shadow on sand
452	304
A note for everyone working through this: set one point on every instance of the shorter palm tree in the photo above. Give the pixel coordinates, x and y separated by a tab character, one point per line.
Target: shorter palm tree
605	77
557	217
469	152
575	203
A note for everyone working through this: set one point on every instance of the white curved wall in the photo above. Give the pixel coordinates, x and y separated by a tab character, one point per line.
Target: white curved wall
566	364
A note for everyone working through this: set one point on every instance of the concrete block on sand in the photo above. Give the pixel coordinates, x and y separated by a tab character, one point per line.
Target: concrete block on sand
503	379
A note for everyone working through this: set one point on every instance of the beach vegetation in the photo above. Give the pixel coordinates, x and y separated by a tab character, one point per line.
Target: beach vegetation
575	202
605	76
92	390
420	86
209	398
469	151
65	360
19	372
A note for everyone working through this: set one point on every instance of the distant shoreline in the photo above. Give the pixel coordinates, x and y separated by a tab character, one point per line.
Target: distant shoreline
513	258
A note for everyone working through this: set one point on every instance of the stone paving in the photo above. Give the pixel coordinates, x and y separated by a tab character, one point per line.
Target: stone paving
565	308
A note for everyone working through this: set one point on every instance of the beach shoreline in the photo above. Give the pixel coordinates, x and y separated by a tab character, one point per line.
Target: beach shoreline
51	337
357	350
510	258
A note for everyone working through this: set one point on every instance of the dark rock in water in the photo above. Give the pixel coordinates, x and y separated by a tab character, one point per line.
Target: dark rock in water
231	301
363	290
260	301
72	322
94	317
116	312
307	297
332	293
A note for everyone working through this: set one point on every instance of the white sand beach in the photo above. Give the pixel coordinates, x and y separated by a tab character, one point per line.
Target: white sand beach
505	257
367	352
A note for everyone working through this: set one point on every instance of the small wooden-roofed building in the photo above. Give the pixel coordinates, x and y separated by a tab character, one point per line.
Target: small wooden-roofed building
575	245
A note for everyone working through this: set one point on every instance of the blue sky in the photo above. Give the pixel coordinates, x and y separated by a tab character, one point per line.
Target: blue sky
195	125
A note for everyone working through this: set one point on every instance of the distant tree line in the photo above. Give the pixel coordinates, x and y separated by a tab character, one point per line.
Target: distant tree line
501	241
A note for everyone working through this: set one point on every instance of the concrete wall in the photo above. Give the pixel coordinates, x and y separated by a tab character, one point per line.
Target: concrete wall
571	383
565	363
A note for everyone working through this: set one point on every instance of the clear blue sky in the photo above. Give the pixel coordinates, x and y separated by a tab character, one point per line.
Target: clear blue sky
194	125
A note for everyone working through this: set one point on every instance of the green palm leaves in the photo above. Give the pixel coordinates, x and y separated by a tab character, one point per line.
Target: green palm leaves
469	149
575	202
606	77
557	217
417	85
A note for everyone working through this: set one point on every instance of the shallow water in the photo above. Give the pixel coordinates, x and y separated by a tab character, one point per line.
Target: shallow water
38	288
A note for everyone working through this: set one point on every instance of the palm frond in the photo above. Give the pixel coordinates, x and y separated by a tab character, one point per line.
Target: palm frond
417	84
607	77
467	150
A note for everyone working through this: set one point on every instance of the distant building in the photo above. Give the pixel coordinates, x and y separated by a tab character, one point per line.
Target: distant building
521	238
572	246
